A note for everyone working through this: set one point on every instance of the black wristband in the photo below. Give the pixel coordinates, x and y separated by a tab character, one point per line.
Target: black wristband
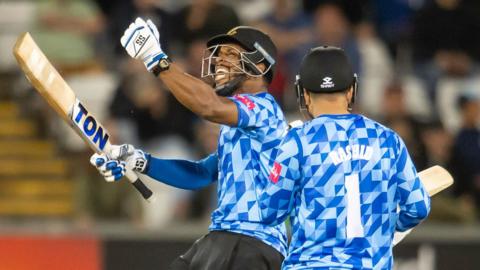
162	65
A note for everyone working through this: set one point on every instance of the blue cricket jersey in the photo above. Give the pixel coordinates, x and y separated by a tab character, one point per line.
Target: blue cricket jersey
341	178
244	153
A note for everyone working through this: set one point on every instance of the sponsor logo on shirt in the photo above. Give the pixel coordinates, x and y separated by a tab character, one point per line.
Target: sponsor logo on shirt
245	100
275	173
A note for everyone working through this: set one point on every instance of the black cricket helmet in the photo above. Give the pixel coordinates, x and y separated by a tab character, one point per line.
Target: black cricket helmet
259	48
325	69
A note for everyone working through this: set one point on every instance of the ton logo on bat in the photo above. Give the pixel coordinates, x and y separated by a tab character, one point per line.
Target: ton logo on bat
89	126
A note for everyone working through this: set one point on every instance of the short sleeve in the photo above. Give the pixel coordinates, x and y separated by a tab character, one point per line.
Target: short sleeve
253	111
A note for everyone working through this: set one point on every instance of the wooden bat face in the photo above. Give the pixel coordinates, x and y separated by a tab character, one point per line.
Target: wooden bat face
435	179
53	88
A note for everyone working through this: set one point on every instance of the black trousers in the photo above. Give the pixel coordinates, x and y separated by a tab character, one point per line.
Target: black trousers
221	250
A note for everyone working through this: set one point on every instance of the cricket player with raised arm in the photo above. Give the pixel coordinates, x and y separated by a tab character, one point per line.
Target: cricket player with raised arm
347	182
241	63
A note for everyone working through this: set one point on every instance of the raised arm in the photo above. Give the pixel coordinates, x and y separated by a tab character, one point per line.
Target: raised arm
141	41
199	97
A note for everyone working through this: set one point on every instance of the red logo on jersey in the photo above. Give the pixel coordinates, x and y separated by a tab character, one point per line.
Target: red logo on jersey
245	100
275	173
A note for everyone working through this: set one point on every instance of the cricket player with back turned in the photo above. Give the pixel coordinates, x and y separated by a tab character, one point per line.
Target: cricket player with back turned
241	63
347	182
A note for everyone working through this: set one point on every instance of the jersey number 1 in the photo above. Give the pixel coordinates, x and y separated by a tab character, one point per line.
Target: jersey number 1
354	221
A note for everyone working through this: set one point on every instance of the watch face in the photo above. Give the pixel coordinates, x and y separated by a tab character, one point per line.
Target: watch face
164	63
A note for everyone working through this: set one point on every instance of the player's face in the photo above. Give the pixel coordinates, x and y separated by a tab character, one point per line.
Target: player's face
227	63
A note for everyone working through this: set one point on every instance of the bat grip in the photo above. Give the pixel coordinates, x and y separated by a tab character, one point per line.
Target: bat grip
140	186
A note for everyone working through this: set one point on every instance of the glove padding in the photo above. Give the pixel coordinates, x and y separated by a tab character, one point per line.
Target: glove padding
141	40
135	159
111	170
120	157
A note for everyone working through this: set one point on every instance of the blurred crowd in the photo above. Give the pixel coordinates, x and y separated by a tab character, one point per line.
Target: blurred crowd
417	62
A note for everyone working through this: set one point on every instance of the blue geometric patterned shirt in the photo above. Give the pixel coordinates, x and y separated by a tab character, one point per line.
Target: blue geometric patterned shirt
244	153
341	179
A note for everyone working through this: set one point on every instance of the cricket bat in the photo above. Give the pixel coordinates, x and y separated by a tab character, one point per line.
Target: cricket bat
434	179
53	88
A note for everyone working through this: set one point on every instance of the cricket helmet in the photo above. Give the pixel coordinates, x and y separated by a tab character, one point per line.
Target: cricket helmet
325	69
258	46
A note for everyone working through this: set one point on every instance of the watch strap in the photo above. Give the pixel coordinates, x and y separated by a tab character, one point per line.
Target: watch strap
158	68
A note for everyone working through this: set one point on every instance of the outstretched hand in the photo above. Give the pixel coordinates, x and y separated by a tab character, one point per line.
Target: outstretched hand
141	40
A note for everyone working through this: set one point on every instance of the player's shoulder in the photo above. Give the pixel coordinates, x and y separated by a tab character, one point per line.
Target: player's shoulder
292	139
381	128
385	132
261	99
298	129
295	131
262	103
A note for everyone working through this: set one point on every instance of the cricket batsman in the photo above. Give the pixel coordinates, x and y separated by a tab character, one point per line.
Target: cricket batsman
347	182
241	63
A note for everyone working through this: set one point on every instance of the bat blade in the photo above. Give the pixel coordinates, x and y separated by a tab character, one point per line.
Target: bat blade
42	75
434	179
52	87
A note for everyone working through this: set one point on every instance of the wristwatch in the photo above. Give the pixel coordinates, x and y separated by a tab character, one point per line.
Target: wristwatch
163	64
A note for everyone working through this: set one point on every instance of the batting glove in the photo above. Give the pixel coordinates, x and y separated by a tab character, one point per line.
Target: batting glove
294	124
111	170
135	159
141	40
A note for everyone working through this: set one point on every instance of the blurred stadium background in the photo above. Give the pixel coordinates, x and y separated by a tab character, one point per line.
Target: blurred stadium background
418	63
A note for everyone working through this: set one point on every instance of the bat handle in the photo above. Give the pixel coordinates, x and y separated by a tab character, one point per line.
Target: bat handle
140	186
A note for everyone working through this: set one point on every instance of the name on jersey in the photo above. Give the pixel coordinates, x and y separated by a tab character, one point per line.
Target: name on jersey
88	126
355	151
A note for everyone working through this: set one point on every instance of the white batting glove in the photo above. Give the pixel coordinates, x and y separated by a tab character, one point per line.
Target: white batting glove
135	159
291	125
141	40
294	124
111	170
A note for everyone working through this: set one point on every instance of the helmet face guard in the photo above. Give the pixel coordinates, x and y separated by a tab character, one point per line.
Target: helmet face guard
245	65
